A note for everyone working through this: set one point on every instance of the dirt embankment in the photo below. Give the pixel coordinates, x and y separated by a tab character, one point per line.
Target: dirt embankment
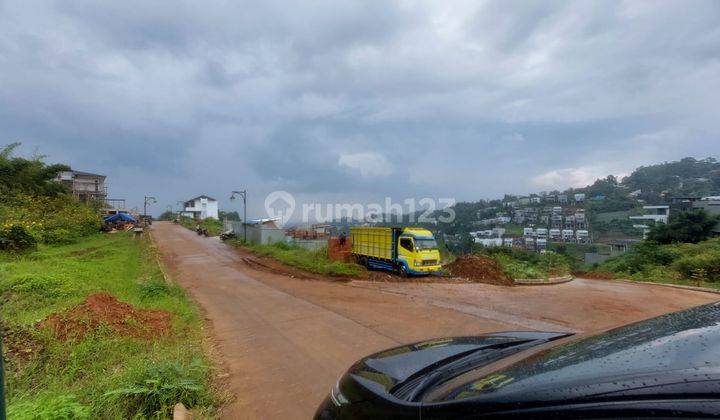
595	275
102	309
479	269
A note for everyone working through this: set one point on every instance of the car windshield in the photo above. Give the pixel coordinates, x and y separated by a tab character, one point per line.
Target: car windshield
425	243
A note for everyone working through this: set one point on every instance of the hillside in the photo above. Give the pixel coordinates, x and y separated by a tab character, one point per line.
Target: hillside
609	201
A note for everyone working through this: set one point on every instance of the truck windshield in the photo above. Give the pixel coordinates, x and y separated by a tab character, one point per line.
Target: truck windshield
428	243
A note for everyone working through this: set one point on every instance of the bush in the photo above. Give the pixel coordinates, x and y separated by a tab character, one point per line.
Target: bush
16	238
705	266
51	220
160	387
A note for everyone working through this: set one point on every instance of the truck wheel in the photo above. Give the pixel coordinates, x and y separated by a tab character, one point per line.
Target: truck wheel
402	271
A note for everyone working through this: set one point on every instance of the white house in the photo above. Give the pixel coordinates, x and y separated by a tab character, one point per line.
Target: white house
201	207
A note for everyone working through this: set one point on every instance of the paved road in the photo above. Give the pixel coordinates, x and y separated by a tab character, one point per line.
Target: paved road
284	341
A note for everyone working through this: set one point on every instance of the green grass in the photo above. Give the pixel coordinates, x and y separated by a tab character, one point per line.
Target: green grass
89	378
682	263
213	226
314	261
529	265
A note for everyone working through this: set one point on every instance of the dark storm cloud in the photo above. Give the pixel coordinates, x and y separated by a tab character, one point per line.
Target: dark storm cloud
358	99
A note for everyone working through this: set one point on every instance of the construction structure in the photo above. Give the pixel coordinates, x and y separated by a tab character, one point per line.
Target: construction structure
85	186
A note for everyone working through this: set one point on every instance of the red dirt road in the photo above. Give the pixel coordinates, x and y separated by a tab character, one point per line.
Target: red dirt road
284	341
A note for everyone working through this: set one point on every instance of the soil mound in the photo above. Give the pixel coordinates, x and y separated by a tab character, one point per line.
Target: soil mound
595	275
479	269
102	309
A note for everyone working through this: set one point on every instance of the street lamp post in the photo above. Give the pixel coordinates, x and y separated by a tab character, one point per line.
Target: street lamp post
242	193
148	199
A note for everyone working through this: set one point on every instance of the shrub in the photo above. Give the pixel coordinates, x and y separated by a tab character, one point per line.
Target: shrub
15	237
706	264
160	387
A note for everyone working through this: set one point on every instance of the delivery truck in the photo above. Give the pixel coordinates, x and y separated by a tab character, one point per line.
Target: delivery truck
407	251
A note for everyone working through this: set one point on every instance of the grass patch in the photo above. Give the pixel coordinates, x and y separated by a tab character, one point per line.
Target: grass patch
314	261
529	265
86	378
213	226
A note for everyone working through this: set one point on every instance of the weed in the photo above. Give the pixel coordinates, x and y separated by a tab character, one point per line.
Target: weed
160	387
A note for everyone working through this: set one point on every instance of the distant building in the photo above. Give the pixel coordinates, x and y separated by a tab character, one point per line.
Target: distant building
489	242
683	203
582	236
200	208
655	214
264	231
84	185
711	205
579	198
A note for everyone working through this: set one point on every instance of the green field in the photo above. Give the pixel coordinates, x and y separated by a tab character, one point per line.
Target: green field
103	374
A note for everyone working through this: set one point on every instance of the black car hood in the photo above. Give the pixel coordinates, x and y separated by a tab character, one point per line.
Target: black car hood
678	353
382	372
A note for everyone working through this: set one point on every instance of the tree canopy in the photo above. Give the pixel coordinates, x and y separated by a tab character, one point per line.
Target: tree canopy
690	227
29	176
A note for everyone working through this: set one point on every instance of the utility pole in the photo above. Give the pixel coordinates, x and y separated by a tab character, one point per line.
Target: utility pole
242	193
148	199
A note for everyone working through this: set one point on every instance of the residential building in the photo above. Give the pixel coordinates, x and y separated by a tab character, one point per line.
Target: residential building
711	205
201	207
554	234
84	185
582	236
568	235
541	244
489	242
579	198
655	214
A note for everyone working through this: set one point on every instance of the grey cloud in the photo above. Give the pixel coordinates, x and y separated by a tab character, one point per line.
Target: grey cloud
193	97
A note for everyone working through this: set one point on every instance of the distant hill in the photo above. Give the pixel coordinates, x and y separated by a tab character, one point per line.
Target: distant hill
654	184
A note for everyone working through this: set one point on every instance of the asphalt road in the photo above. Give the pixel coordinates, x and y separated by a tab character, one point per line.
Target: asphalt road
283	341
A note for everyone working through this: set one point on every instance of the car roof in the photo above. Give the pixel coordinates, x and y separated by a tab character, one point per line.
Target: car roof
682	347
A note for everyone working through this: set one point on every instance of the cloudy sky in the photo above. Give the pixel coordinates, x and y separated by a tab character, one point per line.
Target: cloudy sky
357	100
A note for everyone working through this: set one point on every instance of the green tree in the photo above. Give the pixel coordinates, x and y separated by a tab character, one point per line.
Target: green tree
28	176
689	227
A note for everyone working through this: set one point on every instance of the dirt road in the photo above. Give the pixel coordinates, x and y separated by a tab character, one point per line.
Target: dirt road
284	341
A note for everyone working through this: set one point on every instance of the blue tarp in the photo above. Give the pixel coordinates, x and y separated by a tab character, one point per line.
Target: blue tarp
120	217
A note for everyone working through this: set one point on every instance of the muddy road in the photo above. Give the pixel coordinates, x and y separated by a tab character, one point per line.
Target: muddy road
284	338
